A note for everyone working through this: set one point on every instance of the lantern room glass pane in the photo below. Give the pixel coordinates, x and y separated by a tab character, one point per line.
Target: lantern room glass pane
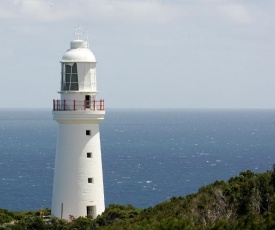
69	77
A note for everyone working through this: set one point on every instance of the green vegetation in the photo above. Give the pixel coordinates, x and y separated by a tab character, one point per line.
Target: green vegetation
246	201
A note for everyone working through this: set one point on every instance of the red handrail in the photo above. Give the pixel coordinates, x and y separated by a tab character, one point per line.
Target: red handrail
71	105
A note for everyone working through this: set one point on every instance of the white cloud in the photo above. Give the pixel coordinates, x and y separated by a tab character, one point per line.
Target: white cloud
49	10
141	11
236	13
33	10
144	11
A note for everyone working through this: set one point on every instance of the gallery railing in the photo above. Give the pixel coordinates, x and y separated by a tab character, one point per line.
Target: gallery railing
70	105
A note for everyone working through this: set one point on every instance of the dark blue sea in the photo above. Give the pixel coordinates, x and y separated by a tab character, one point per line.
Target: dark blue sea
148	155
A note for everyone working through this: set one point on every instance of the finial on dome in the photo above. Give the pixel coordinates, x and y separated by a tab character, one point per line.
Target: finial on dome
79	33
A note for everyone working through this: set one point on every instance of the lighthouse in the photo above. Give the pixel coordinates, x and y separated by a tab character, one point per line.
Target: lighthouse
78	178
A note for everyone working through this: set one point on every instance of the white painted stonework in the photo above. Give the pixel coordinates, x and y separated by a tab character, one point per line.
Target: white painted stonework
78	181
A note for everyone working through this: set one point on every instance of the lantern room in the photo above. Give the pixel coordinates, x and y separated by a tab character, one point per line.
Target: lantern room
78	69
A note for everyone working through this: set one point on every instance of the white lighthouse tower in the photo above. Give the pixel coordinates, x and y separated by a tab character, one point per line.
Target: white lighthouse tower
78	180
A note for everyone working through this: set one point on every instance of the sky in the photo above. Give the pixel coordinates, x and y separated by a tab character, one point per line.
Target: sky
150	53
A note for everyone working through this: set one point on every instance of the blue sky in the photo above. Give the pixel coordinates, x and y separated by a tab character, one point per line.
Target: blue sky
150	53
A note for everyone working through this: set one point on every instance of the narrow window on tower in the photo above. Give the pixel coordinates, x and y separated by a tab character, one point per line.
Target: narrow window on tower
90	180
88	132
89	155
90	211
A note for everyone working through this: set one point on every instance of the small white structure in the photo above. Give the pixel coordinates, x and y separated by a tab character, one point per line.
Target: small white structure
78	180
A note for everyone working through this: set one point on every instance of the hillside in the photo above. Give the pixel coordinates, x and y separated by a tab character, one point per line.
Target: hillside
246	201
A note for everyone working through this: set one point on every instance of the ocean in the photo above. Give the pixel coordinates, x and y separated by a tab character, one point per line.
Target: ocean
149	155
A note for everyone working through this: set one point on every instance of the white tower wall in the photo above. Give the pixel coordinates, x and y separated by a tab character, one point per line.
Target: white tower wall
78	180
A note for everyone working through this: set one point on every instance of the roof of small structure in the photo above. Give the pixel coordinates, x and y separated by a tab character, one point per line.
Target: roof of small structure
79	52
